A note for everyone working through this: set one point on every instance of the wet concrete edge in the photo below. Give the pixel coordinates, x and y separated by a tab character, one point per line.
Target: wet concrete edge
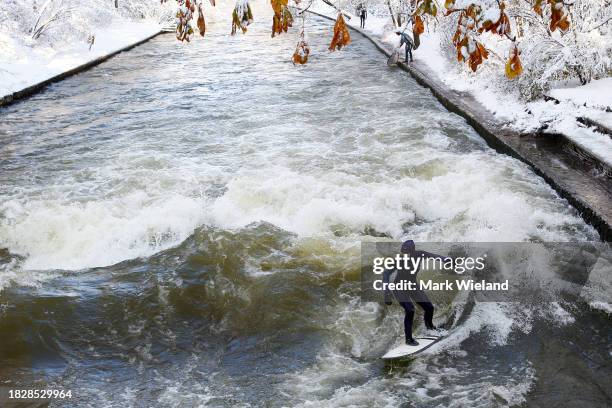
33	89
578	179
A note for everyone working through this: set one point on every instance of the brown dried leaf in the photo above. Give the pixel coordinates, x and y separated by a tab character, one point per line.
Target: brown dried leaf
537	7
418	27
302	50
282	20
341	38
501	26
558	16
201	22
478	56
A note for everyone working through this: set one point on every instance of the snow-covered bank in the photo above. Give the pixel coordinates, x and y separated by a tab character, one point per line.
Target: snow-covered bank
23	66
42	39
502	98
597	94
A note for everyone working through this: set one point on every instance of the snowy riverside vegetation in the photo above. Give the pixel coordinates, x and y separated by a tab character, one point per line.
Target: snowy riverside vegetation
511	55
574	50
562	49
42	38
52	21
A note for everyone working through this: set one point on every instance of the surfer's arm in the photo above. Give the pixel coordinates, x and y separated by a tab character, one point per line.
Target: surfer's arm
386	276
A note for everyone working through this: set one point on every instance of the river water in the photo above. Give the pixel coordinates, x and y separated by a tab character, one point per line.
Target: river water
180	226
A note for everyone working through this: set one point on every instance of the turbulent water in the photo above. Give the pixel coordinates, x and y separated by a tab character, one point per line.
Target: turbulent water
180	226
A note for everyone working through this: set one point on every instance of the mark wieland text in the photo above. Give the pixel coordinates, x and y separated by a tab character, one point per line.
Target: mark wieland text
458	284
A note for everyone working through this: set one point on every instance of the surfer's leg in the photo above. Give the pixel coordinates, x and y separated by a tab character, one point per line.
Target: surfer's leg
408	318
421	299
428	308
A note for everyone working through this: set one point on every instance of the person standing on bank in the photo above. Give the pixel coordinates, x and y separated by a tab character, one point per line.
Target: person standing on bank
363	14
406	297
407	41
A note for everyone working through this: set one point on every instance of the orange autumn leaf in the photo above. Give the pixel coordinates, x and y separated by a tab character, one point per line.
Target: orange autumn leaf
201	22
465	23
473	13
501	26
462	54
341	38
459	31
474	53
537	7
477	57
278	4
302	50
563	24
418	27
513	66
282	19
558	16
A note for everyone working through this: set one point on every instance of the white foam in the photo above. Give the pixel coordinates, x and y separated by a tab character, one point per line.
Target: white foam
57	235
604	306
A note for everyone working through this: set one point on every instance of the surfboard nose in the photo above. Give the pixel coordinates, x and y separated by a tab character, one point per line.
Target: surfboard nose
406	350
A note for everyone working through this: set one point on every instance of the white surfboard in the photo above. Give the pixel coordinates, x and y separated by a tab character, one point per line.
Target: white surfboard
405	350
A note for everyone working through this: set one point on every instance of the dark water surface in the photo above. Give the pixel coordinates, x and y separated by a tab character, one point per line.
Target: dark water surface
180	227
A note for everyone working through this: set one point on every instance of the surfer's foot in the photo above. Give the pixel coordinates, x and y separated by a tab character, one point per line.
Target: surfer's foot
412	342
436	331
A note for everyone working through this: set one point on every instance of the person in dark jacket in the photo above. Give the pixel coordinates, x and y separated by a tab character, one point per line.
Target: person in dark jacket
407	41
407	297
363	14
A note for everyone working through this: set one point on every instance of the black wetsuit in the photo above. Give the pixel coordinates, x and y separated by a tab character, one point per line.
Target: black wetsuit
407	298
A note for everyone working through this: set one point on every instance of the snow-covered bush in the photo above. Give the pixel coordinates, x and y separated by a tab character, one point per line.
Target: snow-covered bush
581	54
58	21
555	41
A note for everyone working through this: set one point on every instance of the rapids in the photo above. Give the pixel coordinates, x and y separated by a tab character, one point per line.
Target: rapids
180	226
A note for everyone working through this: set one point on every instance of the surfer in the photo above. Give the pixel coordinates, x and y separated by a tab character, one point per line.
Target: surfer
407	298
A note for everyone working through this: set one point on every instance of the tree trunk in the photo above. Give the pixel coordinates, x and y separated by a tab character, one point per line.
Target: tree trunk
391	12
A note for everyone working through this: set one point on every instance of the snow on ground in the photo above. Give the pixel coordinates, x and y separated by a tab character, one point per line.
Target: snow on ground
507	106
23	65
596	94
41	39
602	117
